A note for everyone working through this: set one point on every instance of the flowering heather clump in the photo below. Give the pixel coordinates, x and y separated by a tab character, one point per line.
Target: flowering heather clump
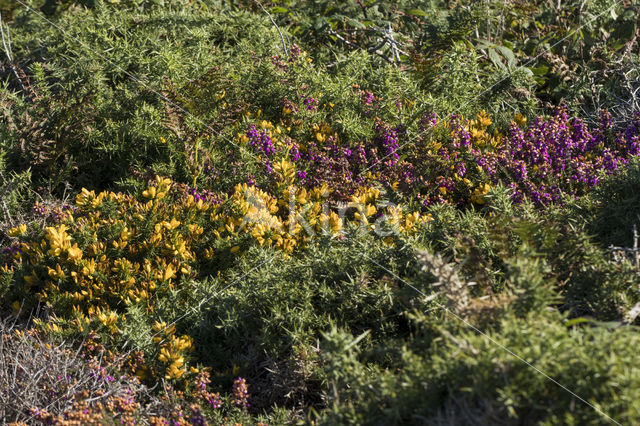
205	195
457	160
261	140
9	253
311	104
52	383
294	152
332	165
367	98
388	139
240	394
560	156
550	159
40	209
428	122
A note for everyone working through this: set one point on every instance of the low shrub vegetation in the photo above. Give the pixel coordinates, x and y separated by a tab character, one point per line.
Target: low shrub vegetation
288	212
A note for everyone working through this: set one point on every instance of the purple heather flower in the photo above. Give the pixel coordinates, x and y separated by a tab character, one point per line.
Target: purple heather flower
261	141
294	153
214	400
368	98
428	121
311	104
388	138
197	418
294	52
40	209
239	393
205	196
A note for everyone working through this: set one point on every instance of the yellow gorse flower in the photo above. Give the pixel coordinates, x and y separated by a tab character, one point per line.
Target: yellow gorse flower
520	119
74	253
59	240
18	230
89	199
479	193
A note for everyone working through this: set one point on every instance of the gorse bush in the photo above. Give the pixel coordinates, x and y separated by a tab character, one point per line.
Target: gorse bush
364	212
125	126
471	378
462	372
110	253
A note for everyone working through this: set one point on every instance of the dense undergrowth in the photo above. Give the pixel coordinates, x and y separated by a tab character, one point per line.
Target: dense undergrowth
364	212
